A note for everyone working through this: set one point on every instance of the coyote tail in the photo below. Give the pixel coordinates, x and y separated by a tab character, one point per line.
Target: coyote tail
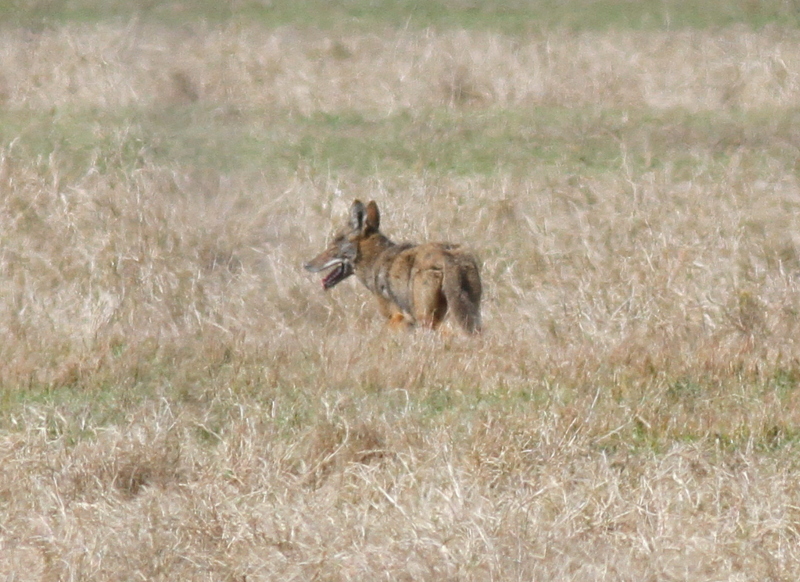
461	287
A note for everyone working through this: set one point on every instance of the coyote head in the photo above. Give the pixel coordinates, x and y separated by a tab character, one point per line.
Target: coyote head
344	252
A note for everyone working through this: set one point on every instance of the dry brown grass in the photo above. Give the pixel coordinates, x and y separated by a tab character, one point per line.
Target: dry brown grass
305	71
181	401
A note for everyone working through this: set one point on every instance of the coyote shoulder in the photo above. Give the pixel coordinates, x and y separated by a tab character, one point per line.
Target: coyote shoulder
415	285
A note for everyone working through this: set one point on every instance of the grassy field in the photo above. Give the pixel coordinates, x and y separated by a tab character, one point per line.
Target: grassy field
507	16
180	400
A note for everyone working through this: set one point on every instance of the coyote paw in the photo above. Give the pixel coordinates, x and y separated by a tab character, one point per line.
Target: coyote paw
398	321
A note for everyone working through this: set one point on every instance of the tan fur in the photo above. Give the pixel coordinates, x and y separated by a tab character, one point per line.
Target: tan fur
414	284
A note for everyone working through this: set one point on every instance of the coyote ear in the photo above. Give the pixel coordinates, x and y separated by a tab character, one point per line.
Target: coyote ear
373	216
356	215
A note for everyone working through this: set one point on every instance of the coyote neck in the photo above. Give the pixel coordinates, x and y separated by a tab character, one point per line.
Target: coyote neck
369	249
375	252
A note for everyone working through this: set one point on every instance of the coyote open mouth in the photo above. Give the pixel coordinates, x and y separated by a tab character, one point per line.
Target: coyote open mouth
341	270
339	273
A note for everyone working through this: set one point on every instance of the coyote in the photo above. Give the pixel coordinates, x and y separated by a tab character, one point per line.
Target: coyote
414	284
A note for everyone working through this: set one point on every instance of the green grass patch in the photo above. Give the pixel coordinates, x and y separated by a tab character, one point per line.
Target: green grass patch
433	142
508	16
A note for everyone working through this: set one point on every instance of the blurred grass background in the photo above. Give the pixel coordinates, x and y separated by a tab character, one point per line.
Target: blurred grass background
507	16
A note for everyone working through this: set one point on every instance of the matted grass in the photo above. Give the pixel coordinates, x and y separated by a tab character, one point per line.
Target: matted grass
180	400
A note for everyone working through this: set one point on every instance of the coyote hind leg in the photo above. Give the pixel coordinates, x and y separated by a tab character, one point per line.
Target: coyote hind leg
430	305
